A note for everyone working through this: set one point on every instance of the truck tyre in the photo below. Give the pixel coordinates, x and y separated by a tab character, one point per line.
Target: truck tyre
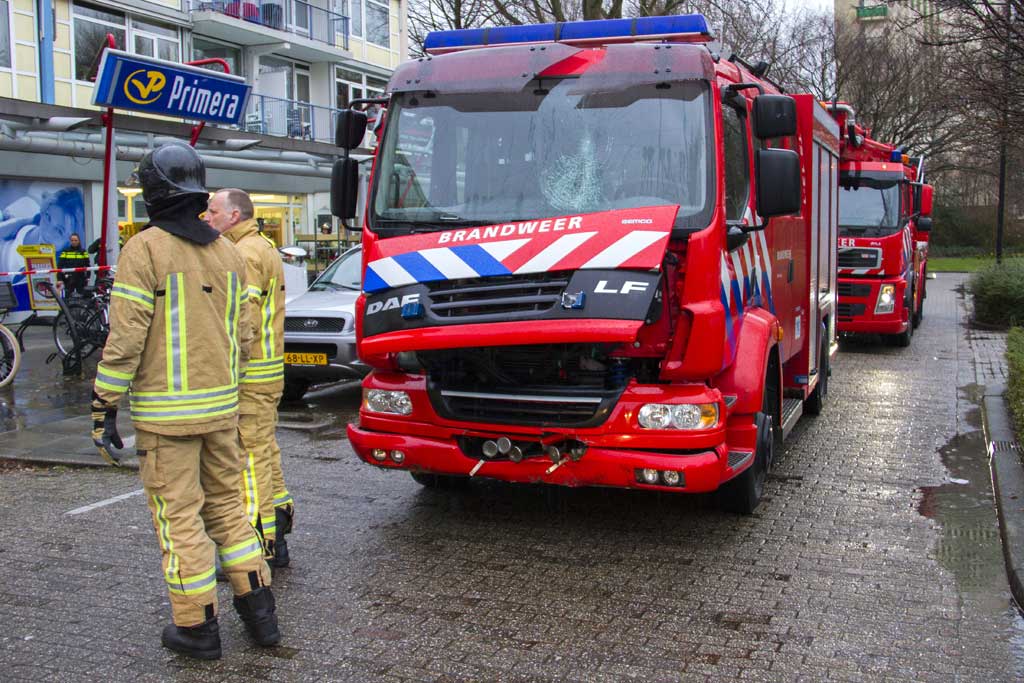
903	340
743	494
918	311
294	390
816	401
437	481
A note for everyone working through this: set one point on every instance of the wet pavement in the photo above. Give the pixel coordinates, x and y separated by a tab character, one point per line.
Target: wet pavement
874	557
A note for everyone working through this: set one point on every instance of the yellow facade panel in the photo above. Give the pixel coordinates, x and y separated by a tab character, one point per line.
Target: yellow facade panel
62	94
61	65
24	28
25	6
62	37
173	4
28	88
63	8
83	94
377	55
25	56
6	84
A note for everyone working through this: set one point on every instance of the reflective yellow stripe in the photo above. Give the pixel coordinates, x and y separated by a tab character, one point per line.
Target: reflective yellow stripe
283	498
208	397
115	373
132	289
191	392
268	318
252	496
231	322
237	554
164	534
152	415
177	355
200	583
131	297
255	291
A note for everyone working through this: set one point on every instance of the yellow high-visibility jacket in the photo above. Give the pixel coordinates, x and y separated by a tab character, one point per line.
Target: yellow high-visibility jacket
178	335
264	280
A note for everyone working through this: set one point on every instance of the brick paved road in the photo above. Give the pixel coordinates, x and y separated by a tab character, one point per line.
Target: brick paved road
870	560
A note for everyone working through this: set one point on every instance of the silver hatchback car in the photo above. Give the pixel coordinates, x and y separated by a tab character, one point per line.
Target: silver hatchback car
320	330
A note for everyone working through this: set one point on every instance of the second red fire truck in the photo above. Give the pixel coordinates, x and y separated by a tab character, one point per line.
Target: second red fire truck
595	253
884	227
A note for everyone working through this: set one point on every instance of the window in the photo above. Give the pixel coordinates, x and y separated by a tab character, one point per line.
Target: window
378	28
356	17
5	35
204	49
737	168
92	24
352	85
91	28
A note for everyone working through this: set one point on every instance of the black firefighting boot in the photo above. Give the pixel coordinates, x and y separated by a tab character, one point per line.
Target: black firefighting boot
283	522
201	642
257	612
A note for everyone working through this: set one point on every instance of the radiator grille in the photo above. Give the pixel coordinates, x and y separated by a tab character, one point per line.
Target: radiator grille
850	310
499	298
302	324
856	257
854	289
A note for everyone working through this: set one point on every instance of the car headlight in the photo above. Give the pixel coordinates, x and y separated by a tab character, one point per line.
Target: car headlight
393	402
886	299
678	415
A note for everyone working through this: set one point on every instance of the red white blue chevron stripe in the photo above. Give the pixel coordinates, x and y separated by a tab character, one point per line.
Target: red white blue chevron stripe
625	238
746	281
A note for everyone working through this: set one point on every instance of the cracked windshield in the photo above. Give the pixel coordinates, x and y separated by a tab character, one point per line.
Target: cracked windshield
546	151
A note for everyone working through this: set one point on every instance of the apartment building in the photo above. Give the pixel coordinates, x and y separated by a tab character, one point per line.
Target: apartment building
305	60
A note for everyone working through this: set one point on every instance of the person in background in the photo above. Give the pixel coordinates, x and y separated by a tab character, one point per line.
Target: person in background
73	257
179	340
269	506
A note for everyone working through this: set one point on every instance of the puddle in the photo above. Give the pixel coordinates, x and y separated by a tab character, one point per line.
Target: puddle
970	546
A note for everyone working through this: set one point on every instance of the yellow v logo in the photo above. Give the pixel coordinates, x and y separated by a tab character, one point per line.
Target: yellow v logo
144	87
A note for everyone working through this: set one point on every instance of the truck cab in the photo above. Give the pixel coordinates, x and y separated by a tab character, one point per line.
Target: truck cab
589	260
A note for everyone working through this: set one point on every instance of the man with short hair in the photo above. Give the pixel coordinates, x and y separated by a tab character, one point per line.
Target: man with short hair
268	504
178	343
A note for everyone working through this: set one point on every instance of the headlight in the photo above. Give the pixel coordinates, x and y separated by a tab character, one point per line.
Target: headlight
679	416
381	401
886	299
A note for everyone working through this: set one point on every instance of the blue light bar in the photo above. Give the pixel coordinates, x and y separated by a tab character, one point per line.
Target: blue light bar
896	155
693	26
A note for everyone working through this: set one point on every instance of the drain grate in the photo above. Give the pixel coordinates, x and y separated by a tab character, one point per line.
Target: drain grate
999	446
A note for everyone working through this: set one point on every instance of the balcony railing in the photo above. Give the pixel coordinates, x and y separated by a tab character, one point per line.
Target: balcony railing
289	118
291	16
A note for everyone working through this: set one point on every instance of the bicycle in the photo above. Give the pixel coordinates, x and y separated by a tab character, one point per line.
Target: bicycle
10	350
89	314
87	329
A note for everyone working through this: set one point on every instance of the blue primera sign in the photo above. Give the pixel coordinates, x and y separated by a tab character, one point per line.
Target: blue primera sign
156	86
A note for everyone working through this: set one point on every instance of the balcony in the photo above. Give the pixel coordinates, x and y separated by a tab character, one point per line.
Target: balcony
289	118
310	33
872	13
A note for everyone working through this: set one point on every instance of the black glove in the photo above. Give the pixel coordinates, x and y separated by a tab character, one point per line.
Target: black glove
104	429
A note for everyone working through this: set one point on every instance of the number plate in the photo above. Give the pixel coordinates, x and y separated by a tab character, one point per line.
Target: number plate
305	358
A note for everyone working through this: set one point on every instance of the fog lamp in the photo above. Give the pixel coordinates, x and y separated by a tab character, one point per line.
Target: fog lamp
671	477
650	476
379	454
398	456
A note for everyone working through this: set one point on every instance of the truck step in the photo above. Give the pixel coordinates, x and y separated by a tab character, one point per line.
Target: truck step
792	409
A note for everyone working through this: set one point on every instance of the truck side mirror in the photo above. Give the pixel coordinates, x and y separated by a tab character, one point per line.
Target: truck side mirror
923	224
344	188
926	199
778	182
350	128
774	116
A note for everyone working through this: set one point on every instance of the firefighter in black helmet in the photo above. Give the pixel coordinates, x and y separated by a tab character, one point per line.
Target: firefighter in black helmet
177	345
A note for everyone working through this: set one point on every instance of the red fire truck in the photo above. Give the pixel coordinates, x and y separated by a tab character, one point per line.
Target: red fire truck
588	260
884	226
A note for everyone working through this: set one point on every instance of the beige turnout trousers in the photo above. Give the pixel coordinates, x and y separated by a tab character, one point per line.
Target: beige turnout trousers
257	426
191	484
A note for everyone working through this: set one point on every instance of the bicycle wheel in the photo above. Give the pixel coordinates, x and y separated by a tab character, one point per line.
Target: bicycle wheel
62	337
94	332
10	356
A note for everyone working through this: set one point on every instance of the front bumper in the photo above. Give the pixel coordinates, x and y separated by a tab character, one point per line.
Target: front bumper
856	314
615	450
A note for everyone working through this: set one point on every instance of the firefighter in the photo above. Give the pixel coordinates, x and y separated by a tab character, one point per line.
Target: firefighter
178	342
73	257
268	504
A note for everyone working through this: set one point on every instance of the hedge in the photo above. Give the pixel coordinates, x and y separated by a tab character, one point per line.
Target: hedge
1015	388
998	293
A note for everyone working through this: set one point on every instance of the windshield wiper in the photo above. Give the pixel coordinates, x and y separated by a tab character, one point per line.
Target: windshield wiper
332	285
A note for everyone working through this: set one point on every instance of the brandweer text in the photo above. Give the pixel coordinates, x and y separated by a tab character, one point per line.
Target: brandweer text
524	228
